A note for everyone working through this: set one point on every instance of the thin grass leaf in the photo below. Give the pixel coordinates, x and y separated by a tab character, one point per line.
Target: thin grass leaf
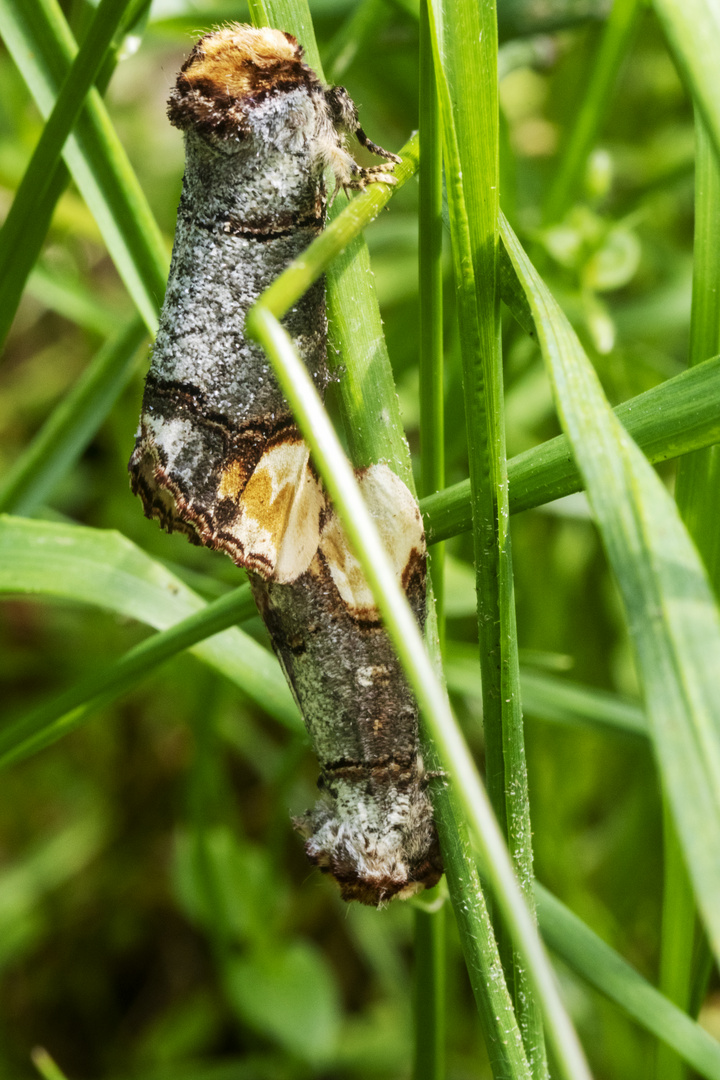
693	33
39	39
586	954
342	487
695	492
430	957
72	424
104	569
615	44
671	612
49	722
698	474
430	275
37	180
374	430
674	418
74	302
550	697
464	43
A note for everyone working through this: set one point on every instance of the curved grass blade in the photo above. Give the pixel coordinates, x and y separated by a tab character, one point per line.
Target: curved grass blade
374	429
464	44
674	418
342	487
104	569
671	612
37	180
373	426
40	42
72	424
693	33
588	955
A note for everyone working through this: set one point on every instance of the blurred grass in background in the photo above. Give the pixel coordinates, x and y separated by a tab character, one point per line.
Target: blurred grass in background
157	914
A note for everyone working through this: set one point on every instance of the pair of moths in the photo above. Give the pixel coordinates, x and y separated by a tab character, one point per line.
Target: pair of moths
219	458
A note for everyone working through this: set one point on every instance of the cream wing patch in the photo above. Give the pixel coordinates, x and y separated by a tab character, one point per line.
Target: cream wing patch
279	513
399	524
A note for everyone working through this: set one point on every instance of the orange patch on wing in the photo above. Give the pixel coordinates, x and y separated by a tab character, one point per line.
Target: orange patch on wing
232	480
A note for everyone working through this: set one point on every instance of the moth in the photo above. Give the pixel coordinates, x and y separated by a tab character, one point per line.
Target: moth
219	458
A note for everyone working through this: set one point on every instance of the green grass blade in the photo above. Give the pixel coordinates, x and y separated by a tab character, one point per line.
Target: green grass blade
36	228
674	418
430	270
25	257
586	954
72	424
104	569
373	426
430	958
49	722
342	487
74	301
342	231
464	43
552	698
42	45
672	616
695	492
698	474
693	33
615	44
37	180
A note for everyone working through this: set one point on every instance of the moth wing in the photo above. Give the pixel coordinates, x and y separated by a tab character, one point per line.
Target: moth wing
397	517
279	514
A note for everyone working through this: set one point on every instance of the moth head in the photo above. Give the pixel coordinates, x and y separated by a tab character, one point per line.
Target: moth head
231	70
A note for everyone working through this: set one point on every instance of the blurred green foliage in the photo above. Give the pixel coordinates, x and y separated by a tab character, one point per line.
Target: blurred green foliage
157	915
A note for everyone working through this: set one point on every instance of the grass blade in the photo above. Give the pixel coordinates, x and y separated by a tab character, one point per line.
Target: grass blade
616	41
430	959
465	53
50	721
693	33
73	423
674	418
41	43
671	612
374	431
604	969
342	487
37	180
104	569
695	494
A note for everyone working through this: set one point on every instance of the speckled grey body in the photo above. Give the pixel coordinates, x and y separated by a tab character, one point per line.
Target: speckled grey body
248	207
218	457
373	827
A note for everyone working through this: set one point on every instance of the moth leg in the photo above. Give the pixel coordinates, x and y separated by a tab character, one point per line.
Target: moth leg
343	111
350	175
375	149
